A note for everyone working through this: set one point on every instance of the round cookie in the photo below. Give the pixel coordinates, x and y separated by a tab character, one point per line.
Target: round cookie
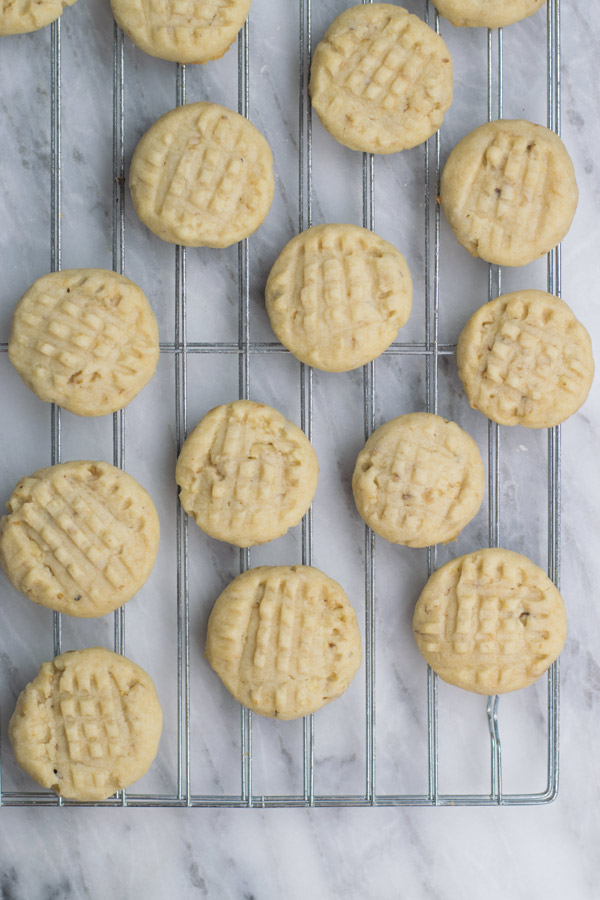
87	725
509	191
337	295
418	480
202	176
30	15
524	359
80	538
86	339
183	31
381	79
247	474
284	640
490	622
487	13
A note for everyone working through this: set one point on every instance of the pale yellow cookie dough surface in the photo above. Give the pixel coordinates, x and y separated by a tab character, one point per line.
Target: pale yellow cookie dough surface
202	176
487	13
337	295
184	31
381	79
247	474
418	480
87	725
509	191
86	339
22	16
490	622
80	537
284	640
524	359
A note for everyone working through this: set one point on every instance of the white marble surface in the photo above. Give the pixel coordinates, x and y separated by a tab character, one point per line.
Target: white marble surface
429	853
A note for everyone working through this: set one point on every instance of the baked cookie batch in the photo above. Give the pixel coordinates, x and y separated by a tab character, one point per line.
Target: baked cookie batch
82	537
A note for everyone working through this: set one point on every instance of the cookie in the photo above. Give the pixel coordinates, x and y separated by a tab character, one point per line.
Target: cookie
202	176
487	13
183	31
381	79
490	622
284	640
247	474
87	725
418	480
86	339
509	192
30	15
80	538
337	296
524	359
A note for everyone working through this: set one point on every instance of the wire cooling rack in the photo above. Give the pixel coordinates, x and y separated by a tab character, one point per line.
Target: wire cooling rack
430	349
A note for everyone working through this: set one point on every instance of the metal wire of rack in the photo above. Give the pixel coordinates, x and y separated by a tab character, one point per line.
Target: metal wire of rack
430	348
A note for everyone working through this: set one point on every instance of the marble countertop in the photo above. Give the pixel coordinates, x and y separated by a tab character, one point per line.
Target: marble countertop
548	851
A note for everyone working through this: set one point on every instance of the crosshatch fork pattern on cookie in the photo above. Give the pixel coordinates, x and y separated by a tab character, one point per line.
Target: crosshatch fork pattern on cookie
337	295
214	163
248	471
83	331
381	79
434	474
354	279
93	537
284	643
505	195
530	352
490	620
383	63
95	721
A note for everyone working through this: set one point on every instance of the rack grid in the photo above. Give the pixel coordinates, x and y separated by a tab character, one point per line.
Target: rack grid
430	349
